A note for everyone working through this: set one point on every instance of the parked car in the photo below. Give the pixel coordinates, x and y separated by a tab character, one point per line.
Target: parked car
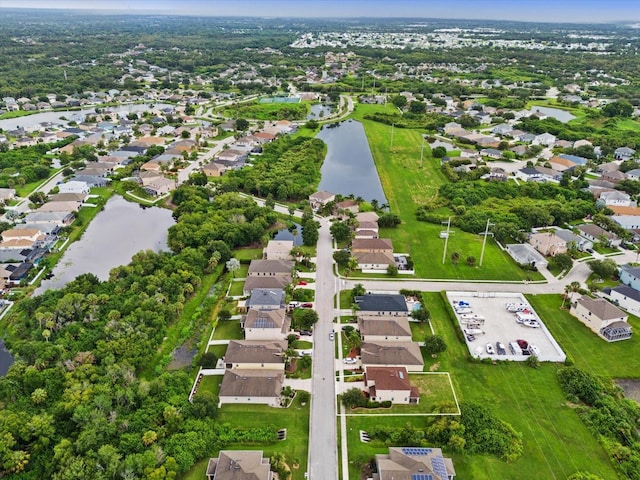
302	282
331	336
533	350
350	360
490	350
307	305
306	332
500	349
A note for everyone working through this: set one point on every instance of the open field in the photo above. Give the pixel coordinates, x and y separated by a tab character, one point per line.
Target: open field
407	184
228	330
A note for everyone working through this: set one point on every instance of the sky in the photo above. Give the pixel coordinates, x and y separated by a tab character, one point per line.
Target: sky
523	10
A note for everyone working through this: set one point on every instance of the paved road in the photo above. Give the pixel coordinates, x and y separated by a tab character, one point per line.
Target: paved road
323	452
183	175
46	187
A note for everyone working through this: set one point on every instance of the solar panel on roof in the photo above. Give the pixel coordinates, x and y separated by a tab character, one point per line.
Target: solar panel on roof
421	476
439	467
264	323
416	451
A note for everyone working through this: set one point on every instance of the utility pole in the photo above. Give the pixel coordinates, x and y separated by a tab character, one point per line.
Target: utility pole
446	239
484	240
422	151
392	127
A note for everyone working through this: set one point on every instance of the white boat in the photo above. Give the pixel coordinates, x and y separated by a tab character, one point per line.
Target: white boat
473	331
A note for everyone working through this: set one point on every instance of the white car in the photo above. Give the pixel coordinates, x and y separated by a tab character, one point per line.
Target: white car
350	360
490	349
331	336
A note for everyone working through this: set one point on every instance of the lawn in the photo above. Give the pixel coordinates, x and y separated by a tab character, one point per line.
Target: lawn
587	349
236	289
248	254
556	442
408	183
295	419
228	330
435	389
419	330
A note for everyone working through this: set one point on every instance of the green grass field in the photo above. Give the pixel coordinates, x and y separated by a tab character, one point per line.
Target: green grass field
407	184
228	330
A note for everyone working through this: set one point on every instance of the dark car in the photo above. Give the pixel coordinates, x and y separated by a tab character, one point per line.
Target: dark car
500	349
306	332
307	305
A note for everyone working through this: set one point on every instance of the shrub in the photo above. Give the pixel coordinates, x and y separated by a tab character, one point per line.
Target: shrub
386	404
208	360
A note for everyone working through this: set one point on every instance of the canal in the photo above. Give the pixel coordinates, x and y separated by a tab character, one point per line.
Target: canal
6	360
348	167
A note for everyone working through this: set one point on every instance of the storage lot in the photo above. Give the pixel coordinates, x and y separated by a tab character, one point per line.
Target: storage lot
500	326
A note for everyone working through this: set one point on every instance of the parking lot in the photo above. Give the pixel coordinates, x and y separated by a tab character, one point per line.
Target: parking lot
486	320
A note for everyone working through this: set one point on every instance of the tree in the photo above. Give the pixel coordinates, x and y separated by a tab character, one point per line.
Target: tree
242	124
434	344
399	101
392	270
455	258
305	318
439	152
208	360
341	257
563	261
352	265
353	398
310	233
39	396
389	220
38	197
417	107
471	260
422	314
605	269
185	134
340	231
358	290
620	108
233	264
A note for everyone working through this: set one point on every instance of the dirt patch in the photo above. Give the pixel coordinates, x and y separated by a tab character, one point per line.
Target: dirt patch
631	388
434	367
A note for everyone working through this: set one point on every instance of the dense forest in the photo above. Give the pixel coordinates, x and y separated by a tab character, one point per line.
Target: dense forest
84	399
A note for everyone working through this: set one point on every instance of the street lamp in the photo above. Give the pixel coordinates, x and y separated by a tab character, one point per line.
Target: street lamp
422	151
446	238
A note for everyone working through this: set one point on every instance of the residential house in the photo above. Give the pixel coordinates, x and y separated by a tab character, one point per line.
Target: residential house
548	174
614	176
7	194
392	354
525	254
20	273
628	210
625	297
390	384
91	180
602	317
373	253
574	159
616	198
381	304
254	282
255	355
20	238
239	465
597	234
630	276
231	156
366	230
561	164
347	206
266	299
367	217
68	207
278	250
548	243
251	386
375	328
633	174
60	218
529	174
266	325
214	169
321	199
410	463
159	185
624	153
271	268
491	153
573	240
546	139
630	223
502	129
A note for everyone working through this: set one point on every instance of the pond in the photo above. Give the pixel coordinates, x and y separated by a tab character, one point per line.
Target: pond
118	232
318	111
285	234
348	167
6	360
561	115
29	121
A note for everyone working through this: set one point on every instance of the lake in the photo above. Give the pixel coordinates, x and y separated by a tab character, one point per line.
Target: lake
318	111
78	115
115	234
285	234
348	167
6	360
561	115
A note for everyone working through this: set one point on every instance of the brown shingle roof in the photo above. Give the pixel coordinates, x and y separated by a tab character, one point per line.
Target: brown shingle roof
601	308
392	326
391	353
388	378
251	383
248	351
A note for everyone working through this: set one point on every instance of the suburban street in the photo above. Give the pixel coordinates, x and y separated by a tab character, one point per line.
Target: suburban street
183	175
323	453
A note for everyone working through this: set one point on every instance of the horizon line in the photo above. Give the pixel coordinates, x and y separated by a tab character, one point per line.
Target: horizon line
167	12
